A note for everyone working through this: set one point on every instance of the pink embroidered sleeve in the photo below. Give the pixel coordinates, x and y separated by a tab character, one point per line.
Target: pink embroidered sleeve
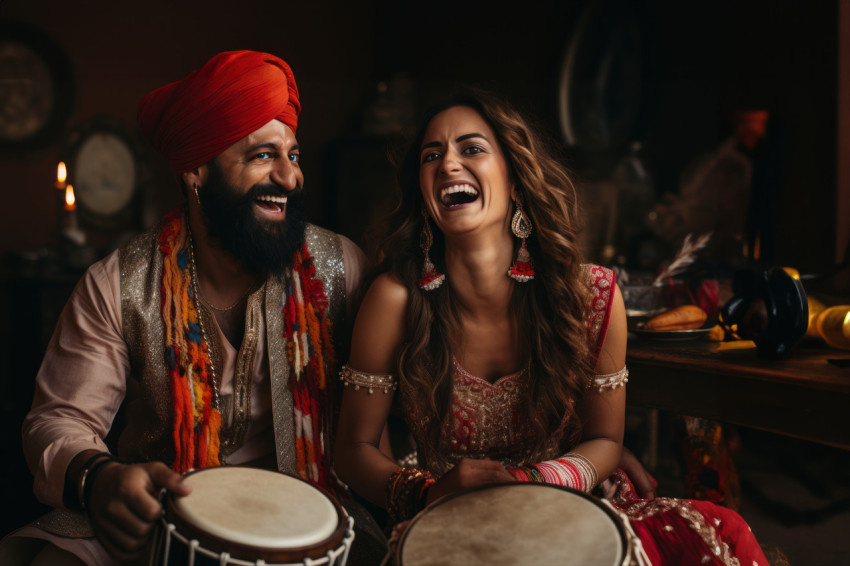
602	281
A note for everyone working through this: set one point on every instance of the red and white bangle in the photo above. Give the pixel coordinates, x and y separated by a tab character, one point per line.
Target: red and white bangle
570	470
585	468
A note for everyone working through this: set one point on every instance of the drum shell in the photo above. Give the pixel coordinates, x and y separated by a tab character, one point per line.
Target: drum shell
185	526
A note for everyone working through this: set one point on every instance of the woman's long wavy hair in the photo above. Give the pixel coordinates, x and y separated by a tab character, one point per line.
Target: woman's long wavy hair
550	309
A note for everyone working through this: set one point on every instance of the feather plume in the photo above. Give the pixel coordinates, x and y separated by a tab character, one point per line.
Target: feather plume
684	257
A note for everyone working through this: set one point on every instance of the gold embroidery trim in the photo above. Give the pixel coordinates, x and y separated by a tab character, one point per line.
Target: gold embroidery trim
371	381
610	380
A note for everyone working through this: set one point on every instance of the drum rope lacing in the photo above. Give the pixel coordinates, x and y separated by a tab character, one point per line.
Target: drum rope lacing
639	557
333	557
225	559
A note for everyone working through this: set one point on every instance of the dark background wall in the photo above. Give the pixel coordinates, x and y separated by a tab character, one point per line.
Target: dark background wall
364	68
698	63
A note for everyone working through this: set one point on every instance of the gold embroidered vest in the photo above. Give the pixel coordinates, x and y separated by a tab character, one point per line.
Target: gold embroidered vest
147	410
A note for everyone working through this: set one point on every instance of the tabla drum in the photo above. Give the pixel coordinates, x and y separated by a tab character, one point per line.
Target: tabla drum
250	516
516	523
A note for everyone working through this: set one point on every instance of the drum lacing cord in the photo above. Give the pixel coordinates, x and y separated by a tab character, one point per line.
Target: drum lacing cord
332	554
224	558
640	558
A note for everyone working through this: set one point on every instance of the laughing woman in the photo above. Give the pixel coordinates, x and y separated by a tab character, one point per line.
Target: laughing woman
507	352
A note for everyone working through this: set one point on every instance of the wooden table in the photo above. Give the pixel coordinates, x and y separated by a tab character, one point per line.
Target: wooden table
803	396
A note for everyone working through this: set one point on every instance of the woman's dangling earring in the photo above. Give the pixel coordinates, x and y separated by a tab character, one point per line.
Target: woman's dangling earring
523	268
431	278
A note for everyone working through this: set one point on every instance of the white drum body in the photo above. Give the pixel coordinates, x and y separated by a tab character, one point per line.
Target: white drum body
246	516
516	523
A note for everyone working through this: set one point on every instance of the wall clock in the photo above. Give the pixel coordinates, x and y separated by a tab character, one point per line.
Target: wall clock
104	167
37	91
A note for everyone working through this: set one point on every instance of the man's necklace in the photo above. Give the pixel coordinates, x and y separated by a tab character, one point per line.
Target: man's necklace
222	309
196	286
196	292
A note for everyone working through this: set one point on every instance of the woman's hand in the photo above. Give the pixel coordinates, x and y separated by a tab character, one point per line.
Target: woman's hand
467	473
643	481
125	505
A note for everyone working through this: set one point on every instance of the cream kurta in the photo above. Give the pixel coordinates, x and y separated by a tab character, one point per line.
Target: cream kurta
88	350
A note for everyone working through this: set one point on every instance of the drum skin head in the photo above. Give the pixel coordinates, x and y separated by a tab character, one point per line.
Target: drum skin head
517	523
257	508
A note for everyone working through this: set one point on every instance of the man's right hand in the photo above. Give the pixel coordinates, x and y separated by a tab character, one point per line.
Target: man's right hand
124	505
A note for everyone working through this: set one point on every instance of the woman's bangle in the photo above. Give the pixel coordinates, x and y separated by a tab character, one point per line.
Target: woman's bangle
407	489
91	468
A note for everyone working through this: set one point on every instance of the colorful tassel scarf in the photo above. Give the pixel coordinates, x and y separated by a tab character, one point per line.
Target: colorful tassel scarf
309	346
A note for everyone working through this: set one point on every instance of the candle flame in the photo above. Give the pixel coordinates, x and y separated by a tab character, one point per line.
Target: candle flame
61	172
69	198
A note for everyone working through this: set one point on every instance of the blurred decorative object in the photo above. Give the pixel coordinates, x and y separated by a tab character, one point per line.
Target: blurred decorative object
599	200
710	472
685	317
642	300
600	92
669	293
770	308
635	198
833	326
714	196
750	127
815	308
684	257
615	208
105	168
716	334
38	91
392	109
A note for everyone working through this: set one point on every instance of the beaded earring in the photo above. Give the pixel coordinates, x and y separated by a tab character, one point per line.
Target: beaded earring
431	278
523	268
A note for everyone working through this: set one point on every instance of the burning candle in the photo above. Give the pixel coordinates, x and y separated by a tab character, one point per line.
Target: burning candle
70	201
61	175
72	228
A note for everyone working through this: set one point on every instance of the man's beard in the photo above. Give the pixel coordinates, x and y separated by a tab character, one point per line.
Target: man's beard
231	221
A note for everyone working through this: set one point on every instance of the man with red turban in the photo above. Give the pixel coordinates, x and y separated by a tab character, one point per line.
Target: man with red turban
217	331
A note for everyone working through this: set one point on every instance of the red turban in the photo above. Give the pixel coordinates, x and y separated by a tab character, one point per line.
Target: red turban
235	93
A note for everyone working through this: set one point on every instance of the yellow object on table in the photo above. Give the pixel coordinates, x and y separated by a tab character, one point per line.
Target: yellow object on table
815	308
833	325
716	334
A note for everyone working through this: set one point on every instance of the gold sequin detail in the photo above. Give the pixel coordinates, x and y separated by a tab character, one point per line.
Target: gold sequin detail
386	382
484	420
610	380
601	281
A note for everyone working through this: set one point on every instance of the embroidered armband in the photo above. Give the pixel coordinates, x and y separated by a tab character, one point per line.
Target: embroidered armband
610	380
371	381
